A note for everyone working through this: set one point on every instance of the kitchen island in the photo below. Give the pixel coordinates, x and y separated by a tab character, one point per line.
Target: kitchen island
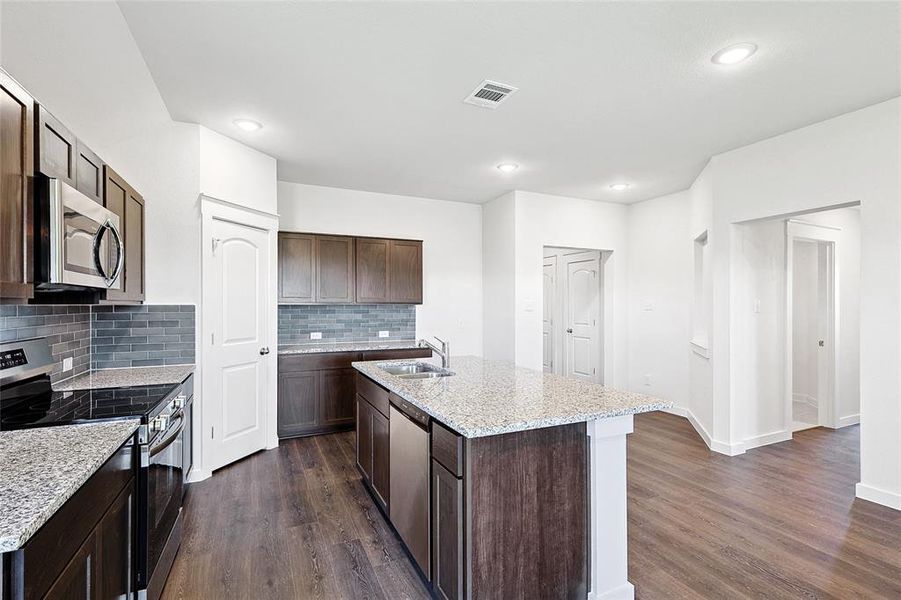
501	481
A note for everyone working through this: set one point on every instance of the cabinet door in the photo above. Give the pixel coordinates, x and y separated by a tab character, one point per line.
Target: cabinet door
123	200
405	271
372	270
298	403
364	438
381	457
16	191
338	392
79	579
334	269
296	257
56	148
115	536
447	533
88	172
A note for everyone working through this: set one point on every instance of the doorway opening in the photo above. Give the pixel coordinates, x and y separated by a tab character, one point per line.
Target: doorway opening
813	314
573	311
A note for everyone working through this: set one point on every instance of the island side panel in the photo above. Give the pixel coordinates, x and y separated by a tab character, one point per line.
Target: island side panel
527	518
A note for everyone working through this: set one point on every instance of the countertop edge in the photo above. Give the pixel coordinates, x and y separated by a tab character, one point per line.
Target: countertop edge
386	382
84	381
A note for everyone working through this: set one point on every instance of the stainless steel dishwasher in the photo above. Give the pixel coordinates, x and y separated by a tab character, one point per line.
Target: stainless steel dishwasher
410	479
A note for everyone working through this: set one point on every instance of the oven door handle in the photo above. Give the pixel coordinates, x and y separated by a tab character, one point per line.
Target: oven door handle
168	441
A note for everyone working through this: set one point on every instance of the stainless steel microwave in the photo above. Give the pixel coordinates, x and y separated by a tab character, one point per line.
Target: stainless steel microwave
79	244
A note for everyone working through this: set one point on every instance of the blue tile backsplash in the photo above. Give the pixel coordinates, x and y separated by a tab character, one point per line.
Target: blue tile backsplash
345	322
102	337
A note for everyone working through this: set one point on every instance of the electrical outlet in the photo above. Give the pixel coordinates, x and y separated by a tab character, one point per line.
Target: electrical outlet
383	334
315	335
67	364
647	379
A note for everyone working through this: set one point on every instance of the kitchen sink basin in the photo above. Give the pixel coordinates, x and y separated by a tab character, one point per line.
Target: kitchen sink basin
415	371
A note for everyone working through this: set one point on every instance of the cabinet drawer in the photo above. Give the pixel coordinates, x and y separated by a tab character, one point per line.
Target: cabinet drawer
375	394
316	362
397	354
447	448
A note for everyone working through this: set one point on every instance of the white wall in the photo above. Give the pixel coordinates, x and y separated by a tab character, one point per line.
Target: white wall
660	266
499	277
544	220
851	158
233	172
452	248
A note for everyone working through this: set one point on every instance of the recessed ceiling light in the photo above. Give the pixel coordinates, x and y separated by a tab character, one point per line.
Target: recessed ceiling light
734	54
507	167
248	124
620	187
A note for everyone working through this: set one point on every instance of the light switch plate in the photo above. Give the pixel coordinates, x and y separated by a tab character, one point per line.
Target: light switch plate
315	335
383	334
67	364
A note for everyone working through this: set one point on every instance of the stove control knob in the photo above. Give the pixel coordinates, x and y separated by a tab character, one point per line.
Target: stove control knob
163	422
178	402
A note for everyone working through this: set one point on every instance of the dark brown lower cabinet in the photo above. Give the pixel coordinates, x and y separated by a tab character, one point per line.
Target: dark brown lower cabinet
316	391
447	533
87	549
373	450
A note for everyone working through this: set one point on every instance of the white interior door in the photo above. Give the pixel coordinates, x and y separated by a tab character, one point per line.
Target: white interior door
550	305
581	315
238	288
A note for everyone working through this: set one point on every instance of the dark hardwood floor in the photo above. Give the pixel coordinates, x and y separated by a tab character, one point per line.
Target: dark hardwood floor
777	522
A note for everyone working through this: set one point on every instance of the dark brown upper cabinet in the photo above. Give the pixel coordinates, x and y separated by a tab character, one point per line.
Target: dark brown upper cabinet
372	270
126	202
57	150
405	271
322	269
334	269
88	172
296	268
16	190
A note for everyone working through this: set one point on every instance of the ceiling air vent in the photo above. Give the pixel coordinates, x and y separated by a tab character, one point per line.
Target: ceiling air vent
490	94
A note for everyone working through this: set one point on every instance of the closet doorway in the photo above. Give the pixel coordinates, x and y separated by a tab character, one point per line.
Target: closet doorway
573	305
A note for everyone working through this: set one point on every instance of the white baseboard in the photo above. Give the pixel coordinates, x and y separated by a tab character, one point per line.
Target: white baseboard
727	449
874	494
849	420
195	475
679	411
624	592
766	439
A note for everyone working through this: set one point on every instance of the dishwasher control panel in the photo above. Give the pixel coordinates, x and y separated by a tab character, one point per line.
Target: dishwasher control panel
413	412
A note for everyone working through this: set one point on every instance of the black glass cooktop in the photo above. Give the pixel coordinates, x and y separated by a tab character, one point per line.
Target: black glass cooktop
35	404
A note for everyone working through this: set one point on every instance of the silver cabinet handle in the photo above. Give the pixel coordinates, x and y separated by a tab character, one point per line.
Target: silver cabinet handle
264	350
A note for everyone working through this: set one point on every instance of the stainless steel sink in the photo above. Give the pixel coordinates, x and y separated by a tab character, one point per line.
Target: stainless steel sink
415	371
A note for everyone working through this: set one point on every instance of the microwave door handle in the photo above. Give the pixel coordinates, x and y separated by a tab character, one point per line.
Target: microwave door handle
120	255
98	260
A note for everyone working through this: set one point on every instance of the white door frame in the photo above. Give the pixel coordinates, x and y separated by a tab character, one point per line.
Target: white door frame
210	209
798	230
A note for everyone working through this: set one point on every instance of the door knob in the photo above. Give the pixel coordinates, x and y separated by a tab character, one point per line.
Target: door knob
264	350
821	343
569	330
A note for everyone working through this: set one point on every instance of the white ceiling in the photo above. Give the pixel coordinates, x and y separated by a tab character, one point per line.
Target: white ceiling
369	95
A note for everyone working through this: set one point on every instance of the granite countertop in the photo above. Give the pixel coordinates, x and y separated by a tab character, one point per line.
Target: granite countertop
42	468
127	377
491	397
316	348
